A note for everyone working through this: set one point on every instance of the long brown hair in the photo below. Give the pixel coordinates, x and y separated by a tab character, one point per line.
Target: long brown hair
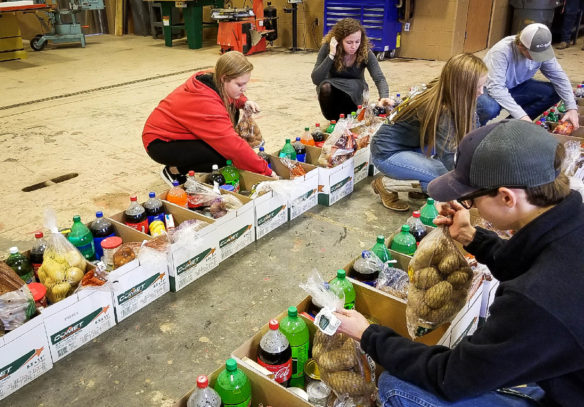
342	29
228	67
454	92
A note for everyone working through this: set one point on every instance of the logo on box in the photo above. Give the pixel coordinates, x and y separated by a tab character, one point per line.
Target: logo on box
18	363
77	326
134	291
233	237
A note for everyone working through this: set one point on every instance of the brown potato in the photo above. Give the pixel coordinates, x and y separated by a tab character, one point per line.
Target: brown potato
448	264
336	360
438	295
444	313
346	382
426	277
458	279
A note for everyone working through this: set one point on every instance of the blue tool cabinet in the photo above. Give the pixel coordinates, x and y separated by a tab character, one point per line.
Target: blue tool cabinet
378	17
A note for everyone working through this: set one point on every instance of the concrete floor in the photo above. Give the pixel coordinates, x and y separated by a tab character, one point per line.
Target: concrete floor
73	110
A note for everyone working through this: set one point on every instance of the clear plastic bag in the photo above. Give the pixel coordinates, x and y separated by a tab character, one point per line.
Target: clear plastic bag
440	278
63	265
248	129
284	188
573	157
339	146
295	168
16	302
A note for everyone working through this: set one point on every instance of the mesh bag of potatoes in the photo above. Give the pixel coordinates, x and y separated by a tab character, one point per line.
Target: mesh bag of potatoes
248	129
440	278
344	367
63	265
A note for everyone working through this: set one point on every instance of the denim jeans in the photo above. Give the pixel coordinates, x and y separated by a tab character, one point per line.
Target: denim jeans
569	18
411	165
535	97
394	392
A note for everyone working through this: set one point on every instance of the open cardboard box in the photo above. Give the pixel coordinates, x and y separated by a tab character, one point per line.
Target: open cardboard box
263	390
361	161
333	183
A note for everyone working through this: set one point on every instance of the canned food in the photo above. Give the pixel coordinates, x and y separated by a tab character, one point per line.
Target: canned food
109	246
157	228
318	393
311	372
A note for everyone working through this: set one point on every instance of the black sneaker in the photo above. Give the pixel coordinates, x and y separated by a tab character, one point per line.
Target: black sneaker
168	175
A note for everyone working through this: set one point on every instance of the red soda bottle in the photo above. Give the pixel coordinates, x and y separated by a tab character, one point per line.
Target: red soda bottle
275	354
135	216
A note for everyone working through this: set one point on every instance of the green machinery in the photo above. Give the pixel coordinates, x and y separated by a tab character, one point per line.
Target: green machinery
61	31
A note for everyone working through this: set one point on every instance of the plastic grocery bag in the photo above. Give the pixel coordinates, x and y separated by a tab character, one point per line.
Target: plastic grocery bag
285	188
16	302
339	146
63	265
248	129
295	168
439	282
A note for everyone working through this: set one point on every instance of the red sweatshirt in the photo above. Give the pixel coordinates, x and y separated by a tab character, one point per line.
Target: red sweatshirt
195	111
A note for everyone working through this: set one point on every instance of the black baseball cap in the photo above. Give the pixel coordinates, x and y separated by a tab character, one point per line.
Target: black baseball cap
511	153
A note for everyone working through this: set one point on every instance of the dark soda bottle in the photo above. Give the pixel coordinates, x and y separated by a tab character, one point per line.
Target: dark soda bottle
275	354
300	150
216	176
318	136
366	268
100	228
154	208
264	156
135	216
37	252
417	228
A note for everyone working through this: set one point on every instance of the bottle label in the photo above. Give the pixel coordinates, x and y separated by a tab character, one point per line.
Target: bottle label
140	227
246	403
301	158
97	244
159	217
281	372
87	250
28	277
350	305
299	358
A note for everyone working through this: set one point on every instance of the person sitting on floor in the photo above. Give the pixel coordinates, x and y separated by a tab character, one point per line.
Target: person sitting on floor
511	172
512	63
419	143
339	72
193	127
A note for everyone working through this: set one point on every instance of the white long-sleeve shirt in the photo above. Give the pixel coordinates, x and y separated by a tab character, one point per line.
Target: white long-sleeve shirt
509	68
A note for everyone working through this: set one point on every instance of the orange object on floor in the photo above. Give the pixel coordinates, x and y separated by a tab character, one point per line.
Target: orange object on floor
244	35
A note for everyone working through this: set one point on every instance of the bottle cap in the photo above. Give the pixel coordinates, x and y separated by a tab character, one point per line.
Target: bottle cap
228	187
76	218
405	228
341	274
99	214
111	242
380	239
151	194
191	173
229	162
38	234
317	124
365	254
359	106
261	149
397	94
342	116
274	324
538	123
133	198
202	382
306	128
13	250
37	290
287	141
292	312
175	183
214	167
231	365
297	138
430	201
416	214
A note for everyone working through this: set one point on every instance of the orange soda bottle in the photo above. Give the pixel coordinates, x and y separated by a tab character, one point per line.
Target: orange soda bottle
177	195
307	139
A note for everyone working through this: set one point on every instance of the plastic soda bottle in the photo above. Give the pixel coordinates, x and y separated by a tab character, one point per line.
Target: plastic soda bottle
154	208
216	176
231	175
331	126
81	237
233	386
264	156
288	151
562	108
135	216
177	195
37	252
275	353
367	267
203	395
380	250
552	116
295	330
341	284
404	242
300	150
397	101
21	265
417	228
317	135
428	213
307	139
544	123
101	228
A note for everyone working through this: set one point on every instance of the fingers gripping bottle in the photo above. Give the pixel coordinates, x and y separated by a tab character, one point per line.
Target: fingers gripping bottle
296	331
203	395
340	284
233	386
275	353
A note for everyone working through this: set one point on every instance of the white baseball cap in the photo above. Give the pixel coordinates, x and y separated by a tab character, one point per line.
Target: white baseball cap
537	38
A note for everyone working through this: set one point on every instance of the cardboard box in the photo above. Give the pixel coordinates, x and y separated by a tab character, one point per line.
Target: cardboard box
24	356
76	320
263	390
333	183
361	161
305	194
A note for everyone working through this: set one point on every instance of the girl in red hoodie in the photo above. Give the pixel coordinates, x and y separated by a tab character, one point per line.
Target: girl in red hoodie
193	127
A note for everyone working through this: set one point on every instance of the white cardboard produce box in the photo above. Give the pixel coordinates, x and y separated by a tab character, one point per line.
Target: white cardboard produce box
24	356
78	319
361	163
333	183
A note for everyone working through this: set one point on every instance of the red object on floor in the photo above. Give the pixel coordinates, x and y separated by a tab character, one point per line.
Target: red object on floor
237	36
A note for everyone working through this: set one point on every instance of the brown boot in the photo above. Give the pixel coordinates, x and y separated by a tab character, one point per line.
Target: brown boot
563	45
417	196
389	199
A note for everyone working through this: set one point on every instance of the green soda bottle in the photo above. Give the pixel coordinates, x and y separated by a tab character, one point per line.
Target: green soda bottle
331	126
562	108
296	331
552	116
21	265
341	284
404	242
231	175
428	213
288	150
82	238
233	386
380	249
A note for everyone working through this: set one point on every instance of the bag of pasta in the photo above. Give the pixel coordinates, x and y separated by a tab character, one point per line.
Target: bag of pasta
339	146
248	129
440	279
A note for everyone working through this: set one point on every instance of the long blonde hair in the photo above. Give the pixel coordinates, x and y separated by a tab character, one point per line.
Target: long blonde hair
454	93
228	67
342	29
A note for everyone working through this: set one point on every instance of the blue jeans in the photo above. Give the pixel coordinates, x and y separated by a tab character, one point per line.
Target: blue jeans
535	97
410	165
569	18
394	392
